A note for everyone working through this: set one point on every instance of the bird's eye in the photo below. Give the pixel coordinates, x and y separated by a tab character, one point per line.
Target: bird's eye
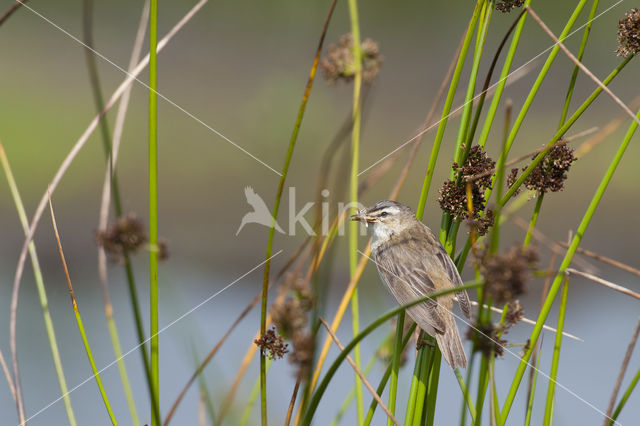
383	214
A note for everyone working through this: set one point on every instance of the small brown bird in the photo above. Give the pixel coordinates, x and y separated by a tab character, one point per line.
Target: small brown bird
413	264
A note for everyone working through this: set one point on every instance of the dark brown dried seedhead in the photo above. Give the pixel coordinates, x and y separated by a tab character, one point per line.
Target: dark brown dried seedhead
272	344
290	316
629	34
551	172
506	6
339	63
515	313
485	337
126	234
453	194
506	273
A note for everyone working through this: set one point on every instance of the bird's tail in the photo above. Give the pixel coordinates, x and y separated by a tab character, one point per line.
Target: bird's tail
450	343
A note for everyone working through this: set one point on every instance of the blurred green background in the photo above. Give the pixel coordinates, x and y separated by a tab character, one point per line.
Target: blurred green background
241	67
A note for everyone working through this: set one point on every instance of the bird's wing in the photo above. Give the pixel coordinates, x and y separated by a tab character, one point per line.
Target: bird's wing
254	199
453	275
401	268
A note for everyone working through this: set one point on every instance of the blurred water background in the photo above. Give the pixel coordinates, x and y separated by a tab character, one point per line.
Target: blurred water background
241	68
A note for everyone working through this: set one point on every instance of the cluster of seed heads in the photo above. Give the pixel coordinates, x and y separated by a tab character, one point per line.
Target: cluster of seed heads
506	6
340	63
506	273
629	34
127	235
272	344
453	194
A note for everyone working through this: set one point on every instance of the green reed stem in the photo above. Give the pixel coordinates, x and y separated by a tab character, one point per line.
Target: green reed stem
434	379
506	70
76	311
246	413
625	397
42	293
576	69
415	381
553	375
544	312
446	111
423	385
534	219
467	401
395	363
153	210
355	226
527	420
322	386
463	130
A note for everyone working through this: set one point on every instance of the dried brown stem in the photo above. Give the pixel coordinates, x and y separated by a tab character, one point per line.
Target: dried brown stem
292	403
606	260
604	282
623	369
7	375
10	11
360	374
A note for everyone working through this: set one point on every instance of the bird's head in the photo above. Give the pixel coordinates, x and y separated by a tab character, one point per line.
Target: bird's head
387	217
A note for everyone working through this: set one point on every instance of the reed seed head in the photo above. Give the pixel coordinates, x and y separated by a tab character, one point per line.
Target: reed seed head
551	172
272	344
506	273
339	63
506	6
126	234
629	34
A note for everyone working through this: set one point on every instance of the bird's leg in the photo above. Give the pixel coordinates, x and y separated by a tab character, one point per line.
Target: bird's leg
420	341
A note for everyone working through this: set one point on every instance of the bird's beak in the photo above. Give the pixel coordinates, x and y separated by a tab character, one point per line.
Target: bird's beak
363	217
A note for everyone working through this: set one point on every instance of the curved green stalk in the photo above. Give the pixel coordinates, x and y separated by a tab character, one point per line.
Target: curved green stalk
423	384
353	184
42	293
153	212
625	397
544	312
317	395
534	219
446	111
553	375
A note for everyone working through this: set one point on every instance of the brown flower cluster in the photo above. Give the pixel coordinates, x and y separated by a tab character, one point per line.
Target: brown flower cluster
453	194
514	314
126	234
485	337
272	344
551	172
290	316
629	34
506	6
339	63
506	273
